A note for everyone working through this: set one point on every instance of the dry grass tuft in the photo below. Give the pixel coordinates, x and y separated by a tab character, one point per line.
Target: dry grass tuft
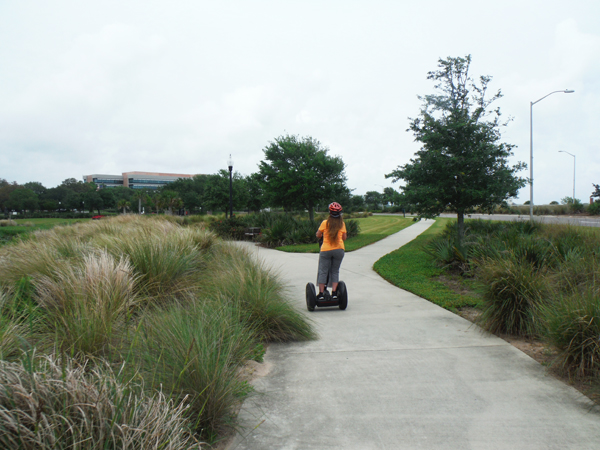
87	303
47	403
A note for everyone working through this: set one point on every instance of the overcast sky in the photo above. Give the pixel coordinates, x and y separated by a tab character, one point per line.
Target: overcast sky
176	86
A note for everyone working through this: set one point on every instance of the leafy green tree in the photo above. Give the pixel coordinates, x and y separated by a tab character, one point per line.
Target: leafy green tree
299	173
5	192
357	203
72	200
216	191
255	192
22	199
36	187
596	193
74	185
373	199
108	197
462	164
93	200
3	182
573	204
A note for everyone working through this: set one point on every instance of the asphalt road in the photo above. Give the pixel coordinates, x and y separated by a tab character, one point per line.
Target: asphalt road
395	371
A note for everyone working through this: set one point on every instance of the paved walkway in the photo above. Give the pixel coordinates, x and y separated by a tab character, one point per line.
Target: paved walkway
395	371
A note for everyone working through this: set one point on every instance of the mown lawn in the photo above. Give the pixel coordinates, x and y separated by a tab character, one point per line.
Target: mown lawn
410	268
372	229
26	226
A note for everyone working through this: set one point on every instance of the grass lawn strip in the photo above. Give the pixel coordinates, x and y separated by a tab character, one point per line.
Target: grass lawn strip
27	226
372	229
411	269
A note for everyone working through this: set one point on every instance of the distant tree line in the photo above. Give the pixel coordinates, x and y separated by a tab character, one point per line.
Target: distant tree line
297	173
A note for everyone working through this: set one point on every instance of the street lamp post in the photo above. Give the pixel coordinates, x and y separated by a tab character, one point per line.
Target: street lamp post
230	165
574	159
566	91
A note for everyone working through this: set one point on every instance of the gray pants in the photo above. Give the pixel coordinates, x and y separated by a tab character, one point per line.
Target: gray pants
330	261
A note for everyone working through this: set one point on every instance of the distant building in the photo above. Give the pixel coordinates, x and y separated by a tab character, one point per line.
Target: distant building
135	180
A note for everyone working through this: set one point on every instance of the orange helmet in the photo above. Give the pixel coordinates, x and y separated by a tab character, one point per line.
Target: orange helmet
335	209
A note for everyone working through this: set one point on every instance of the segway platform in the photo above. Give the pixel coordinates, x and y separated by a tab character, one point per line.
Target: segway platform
312	302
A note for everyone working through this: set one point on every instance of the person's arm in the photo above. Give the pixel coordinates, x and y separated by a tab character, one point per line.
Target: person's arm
319	234
344	236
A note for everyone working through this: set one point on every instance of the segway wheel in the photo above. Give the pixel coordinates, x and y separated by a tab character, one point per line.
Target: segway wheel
311	297
342	295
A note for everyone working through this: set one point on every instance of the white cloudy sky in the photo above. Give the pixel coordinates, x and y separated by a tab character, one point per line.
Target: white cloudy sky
176	86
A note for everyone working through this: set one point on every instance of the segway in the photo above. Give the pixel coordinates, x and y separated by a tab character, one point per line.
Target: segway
311	294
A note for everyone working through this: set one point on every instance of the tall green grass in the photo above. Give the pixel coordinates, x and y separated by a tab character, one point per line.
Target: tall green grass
165	302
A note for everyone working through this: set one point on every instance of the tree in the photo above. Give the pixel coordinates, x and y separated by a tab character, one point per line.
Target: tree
357	203
373	199
255	192
298	173
461	164
140	195
124	205
596	193
23	199
36	187
170	200
5	192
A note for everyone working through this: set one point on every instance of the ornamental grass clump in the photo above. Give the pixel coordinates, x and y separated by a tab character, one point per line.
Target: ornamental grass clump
251	287
86	304
572	325
513	291
49	402
193	352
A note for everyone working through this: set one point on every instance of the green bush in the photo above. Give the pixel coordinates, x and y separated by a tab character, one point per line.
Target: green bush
594	208
230	228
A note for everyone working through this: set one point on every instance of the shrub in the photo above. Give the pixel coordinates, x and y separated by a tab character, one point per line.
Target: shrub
572	324
594	208
47	403
7	223
230	228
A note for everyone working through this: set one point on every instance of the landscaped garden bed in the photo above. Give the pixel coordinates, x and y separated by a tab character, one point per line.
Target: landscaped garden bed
131	331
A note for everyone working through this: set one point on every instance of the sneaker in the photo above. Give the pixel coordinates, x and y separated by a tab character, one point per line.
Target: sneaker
320	297
334	295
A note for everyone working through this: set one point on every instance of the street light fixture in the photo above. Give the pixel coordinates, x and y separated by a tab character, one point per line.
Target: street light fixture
230	165
574	159
566	91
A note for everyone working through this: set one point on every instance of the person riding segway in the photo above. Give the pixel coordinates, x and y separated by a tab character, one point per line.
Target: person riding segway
332	234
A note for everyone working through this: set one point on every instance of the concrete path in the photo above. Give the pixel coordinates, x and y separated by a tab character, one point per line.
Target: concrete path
395	371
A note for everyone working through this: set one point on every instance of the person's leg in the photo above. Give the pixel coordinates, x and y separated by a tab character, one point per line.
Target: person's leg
336	262
325	261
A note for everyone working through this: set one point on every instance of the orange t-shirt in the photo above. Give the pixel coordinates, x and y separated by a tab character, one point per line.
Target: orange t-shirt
339	242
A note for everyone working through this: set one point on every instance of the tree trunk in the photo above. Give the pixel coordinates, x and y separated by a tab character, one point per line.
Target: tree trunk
311	212
461	226
140	205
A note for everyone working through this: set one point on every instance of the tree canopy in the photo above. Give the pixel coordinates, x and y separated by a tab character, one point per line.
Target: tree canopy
298	173
461	164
